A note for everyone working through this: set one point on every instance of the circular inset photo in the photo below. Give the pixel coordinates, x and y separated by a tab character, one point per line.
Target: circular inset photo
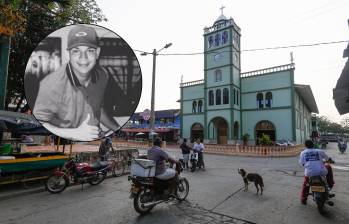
83	82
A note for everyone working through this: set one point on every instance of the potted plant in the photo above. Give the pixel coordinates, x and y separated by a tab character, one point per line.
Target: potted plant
245	138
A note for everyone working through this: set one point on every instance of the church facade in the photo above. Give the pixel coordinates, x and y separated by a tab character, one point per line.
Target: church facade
228	104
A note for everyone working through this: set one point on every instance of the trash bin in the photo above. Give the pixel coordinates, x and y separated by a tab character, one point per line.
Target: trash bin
164	144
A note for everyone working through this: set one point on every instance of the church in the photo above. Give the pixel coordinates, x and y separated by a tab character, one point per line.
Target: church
228	104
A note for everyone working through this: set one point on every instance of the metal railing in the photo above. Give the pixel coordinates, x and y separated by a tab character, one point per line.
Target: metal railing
267	70
192	83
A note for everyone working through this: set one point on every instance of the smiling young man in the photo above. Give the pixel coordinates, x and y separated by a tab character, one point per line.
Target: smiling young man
70	100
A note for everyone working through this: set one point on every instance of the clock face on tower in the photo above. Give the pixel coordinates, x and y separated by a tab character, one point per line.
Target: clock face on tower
218	57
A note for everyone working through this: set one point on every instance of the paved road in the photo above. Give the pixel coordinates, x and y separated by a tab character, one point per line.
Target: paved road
215	196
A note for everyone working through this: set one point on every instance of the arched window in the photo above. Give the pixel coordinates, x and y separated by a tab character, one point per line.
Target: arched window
225	37
217	75
225	96
234	93
218	97
210	41
268	99
217	39
210	98
194	107
260	100
200	106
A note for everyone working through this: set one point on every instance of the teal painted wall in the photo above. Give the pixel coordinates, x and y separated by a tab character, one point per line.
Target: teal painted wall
281	98
303	119
282	120
193	92
210	79
188	121
265	82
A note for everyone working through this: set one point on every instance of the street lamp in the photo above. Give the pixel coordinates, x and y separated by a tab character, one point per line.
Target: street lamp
152	112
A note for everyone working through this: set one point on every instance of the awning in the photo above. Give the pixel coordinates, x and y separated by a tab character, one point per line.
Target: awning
145	130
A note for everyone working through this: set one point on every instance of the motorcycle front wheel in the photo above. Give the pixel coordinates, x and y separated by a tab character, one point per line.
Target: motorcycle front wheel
97	179
182	190
139	201
56	184
193	166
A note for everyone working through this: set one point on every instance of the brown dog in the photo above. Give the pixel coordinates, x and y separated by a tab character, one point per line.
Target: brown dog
252	177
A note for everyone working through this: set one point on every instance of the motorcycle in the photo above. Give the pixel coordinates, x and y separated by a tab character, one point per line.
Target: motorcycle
342	146
320	192
78	173
194	159
147	191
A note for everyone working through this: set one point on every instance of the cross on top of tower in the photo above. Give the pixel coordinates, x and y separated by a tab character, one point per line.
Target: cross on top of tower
221	8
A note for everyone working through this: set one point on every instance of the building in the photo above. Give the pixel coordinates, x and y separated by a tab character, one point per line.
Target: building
166	125
228	104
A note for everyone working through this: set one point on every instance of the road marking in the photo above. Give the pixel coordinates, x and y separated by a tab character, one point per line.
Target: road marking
346	167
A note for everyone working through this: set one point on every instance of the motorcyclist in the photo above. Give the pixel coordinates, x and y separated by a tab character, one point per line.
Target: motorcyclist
312	160
342	145
161	172
104	148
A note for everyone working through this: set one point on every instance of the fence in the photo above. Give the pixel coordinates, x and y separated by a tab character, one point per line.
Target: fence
267	151
235	150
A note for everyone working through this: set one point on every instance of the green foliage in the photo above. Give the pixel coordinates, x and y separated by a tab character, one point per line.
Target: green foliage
245	137
42	18
327	126
265	140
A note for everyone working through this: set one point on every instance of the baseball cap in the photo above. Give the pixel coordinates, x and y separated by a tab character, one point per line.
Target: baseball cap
82	35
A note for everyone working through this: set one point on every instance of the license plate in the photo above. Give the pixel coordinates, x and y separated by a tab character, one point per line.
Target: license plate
317	188
134	189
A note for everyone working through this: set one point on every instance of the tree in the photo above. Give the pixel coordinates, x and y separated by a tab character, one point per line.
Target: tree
42	18
327	126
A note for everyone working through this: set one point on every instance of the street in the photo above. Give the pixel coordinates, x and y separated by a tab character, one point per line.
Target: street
216	196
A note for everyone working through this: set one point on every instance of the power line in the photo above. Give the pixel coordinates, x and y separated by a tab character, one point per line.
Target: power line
249	50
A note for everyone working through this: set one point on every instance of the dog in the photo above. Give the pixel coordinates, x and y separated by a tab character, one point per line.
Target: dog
252	177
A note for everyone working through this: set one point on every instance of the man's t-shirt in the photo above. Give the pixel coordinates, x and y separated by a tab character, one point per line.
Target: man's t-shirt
312	160
198	147
159	156
185	148
63	102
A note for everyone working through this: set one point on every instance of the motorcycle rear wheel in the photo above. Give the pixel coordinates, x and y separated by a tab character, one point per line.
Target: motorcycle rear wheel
56	184
320	205
98	179
137	203
182	190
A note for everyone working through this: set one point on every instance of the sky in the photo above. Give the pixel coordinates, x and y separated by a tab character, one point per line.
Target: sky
151	24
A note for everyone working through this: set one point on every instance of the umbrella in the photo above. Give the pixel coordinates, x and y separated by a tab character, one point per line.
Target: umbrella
153	133
140	133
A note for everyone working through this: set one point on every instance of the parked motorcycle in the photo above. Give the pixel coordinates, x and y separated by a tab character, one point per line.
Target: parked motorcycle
147	191
79	173
319	191
194	159
342	146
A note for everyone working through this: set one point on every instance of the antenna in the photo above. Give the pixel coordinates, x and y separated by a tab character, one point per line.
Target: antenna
291	56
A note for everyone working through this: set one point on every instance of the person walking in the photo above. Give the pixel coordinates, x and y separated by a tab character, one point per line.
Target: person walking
185	152
199	148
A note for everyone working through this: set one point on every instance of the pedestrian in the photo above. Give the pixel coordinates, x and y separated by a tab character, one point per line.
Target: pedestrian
70	100
199	148
185	152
